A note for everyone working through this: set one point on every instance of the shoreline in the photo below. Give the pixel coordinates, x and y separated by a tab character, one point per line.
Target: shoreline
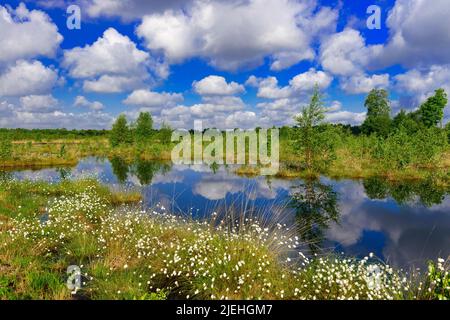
68	153
127	253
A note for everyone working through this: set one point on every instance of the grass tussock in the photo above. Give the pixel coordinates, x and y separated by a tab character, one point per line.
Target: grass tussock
127	253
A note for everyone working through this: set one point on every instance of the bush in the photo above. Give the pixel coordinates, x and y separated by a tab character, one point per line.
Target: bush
5	148
165	133
402	149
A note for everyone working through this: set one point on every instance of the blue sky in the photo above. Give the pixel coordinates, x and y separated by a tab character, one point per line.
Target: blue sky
236	63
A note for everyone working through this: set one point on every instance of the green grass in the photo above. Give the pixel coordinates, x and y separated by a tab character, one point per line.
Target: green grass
354	158
354	161
57	152
126	253
67	152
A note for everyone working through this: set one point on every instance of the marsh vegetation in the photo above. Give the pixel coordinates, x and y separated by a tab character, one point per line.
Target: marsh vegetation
129	248
410	146
129	253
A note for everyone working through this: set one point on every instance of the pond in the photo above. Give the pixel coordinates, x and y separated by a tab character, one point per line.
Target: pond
404	224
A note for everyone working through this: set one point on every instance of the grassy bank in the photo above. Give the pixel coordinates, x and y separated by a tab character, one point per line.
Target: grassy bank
126	253
67	152
56	152
353	158
351	161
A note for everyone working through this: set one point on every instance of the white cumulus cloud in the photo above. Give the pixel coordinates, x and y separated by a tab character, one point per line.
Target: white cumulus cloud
235	34
217	86
416	85
418	33
27	78
299	85
151	99
362	83
130	9
81	101
346	117
26	34
38	103
113	63
345	53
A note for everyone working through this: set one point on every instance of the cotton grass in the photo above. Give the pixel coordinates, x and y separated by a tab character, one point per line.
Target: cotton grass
130	253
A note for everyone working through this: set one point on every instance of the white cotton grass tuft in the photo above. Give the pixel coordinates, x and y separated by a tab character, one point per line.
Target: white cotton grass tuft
237	254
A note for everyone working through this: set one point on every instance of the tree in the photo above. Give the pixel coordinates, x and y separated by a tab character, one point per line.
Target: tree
378	119
144	126
120	132
377	103
165	133
400	119
311	133
408	121
432	110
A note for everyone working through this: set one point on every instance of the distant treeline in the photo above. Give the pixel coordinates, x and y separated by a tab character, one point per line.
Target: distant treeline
45	134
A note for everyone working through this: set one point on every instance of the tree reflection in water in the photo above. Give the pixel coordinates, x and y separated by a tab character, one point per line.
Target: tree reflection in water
145	170
427	192
316	206
120	169
64	173
142	169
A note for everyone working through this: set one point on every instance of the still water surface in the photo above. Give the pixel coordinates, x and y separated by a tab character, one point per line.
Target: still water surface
404	224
